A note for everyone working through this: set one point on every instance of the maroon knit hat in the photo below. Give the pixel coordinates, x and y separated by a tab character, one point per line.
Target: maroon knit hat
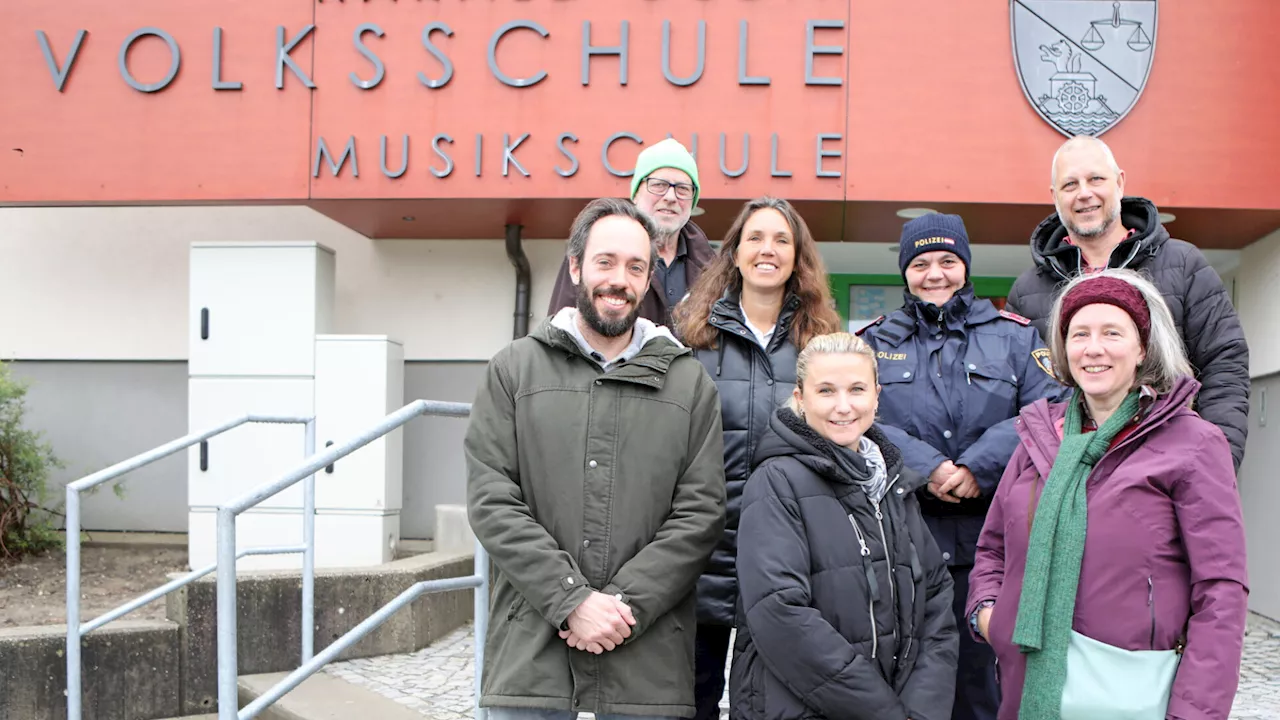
1107	291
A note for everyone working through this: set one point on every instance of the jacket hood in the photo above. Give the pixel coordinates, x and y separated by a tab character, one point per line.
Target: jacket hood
1039	431
1060	259
658	345
790	436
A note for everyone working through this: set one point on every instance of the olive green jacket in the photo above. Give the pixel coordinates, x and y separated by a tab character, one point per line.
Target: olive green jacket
581	479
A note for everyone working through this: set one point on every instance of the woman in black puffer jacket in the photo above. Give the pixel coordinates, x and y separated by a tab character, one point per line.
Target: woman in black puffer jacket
764	295
845	600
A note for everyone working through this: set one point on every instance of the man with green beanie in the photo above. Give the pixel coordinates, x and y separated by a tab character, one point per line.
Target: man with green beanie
665	187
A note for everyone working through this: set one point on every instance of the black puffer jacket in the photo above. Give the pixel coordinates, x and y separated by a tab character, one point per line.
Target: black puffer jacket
1200	304
824	629
753	383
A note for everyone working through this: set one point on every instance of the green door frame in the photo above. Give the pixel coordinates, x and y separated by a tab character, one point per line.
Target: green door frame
841	282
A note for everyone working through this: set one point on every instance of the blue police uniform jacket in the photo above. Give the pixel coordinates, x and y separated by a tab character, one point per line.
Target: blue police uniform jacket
953	379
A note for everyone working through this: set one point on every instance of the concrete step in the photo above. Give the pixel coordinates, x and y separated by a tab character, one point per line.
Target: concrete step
322	697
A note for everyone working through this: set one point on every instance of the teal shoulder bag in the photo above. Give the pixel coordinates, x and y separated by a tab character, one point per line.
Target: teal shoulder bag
1104	681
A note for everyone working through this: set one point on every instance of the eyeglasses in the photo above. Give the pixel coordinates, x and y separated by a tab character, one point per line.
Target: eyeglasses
658	186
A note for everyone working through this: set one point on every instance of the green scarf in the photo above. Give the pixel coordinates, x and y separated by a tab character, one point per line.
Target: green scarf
1054	554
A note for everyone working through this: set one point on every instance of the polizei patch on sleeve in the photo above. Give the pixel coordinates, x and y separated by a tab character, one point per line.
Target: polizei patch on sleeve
1041	356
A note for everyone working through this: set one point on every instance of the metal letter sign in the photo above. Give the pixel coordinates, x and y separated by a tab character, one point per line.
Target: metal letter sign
1083	63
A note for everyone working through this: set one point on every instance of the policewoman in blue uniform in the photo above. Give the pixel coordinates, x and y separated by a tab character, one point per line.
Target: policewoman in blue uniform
955	371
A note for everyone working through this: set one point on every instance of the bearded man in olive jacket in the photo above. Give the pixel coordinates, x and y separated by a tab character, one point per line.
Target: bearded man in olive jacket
595	480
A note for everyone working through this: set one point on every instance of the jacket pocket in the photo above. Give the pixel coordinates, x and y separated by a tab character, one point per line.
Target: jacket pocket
746	684
1151	605
517	608
516	650
686	641
896	373
995	626
995	377
1162	601
991	392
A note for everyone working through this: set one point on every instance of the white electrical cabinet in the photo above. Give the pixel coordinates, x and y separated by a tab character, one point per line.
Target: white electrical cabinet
239	460
378	536
256	308
359	381
255	311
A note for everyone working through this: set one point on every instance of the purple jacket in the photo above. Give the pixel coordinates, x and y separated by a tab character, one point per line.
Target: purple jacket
1164	554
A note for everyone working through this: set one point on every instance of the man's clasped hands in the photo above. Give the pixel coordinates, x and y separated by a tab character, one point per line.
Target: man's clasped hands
602	622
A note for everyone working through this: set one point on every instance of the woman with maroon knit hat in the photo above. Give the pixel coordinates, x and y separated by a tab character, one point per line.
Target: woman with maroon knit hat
1110	575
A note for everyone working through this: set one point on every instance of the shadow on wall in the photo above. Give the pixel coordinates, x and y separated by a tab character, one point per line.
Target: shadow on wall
1260	494
95	414
435	472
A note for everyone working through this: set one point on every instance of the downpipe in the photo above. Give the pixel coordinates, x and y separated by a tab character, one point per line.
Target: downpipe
515	253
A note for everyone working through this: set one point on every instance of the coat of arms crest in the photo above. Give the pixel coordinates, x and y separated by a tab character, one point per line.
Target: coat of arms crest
1083	63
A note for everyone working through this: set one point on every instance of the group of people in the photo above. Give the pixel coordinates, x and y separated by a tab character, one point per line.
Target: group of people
955	512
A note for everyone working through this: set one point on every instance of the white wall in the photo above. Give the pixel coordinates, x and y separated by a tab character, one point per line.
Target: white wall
1256	283
1255	289
111	283
1260	495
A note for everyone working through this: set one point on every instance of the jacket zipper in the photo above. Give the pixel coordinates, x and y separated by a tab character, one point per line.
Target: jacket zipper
938	354
1137	245
862	541
906	653
888	558
871	581
1151	603
917	576
888	553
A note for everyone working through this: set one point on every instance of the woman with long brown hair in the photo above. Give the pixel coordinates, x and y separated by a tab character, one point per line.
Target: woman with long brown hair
764	296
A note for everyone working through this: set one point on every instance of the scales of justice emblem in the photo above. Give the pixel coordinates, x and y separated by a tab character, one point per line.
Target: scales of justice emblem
1082	67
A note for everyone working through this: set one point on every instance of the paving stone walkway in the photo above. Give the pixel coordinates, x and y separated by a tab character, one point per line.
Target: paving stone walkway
1258	697
437	681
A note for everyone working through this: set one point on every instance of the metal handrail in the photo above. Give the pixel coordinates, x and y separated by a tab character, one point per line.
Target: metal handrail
76	629
478	581
228	663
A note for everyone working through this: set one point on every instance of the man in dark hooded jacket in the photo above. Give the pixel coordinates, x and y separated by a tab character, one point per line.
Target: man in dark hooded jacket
1097	227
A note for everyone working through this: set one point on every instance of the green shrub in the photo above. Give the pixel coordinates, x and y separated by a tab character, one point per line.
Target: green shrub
26	521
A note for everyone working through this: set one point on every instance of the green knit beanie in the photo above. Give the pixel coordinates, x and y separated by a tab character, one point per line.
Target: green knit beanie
667	154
